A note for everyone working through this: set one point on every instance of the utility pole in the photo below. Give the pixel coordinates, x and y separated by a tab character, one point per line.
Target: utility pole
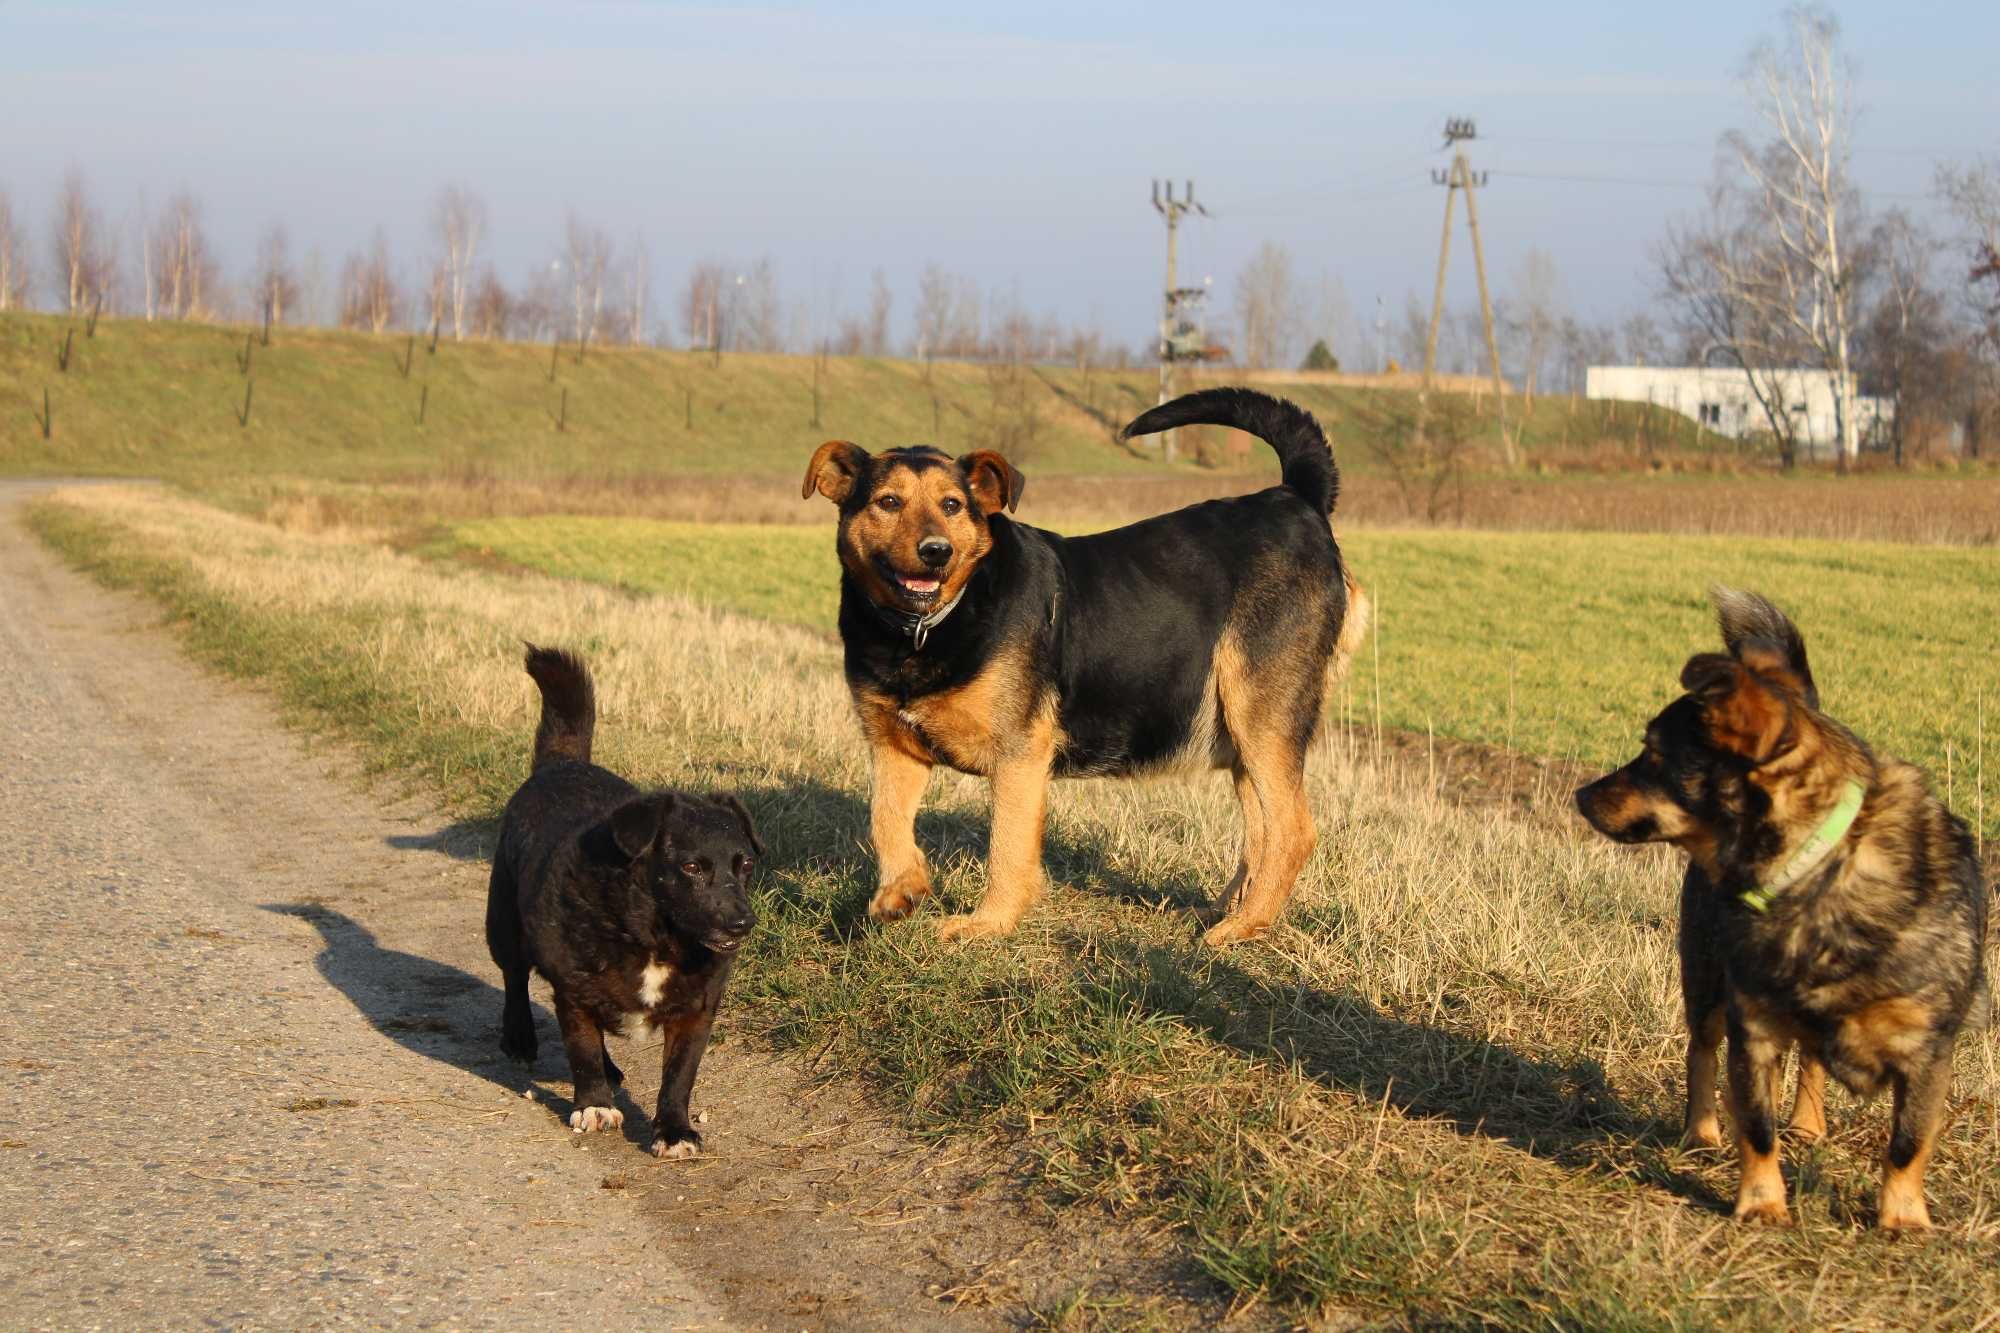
1175	331
1461	176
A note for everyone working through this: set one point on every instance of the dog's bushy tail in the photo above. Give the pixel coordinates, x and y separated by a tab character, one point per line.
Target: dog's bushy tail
569	706
1303	454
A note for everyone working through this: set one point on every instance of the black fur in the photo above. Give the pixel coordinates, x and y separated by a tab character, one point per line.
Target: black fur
1123	624
595	880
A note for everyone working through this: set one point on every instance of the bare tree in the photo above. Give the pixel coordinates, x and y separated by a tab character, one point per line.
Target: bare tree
491	311
587	260
1642	340
275	284
1267	307
875	338
1901	332
701	304
79	245
933	311
369	296
757	310
460	216
637	270
1798	181
180	264
15	275
1536	307
1333	318
1972	193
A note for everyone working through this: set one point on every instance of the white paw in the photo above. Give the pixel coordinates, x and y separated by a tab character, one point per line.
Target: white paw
676	1152
587	1118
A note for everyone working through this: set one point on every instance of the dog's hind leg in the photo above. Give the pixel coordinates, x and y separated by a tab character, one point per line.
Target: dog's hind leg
1919	1107
900	778
1265	725
1253	843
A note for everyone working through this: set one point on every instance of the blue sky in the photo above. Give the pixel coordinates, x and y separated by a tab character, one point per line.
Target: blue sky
1014	144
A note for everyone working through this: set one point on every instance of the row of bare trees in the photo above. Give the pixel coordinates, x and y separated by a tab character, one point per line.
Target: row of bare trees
1785	267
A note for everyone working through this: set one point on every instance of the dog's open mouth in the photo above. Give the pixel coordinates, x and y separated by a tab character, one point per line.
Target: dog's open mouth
917	588
723	942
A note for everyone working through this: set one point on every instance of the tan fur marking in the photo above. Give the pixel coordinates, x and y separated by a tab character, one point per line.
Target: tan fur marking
1353	626
904	877
1257	709
1886	1031
1014	882
1701	1128
1809	1104
975	726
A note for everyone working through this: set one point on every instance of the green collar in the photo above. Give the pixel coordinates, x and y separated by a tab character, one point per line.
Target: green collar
1813	851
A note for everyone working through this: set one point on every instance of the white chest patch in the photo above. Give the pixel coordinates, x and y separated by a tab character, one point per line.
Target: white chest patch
653	983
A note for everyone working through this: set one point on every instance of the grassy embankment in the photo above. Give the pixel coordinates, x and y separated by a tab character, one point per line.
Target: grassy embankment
167	400
1556	644
1445	1088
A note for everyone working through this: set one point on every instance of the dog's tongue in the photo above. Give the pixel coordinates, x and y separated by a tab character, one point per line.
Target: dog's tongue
921	585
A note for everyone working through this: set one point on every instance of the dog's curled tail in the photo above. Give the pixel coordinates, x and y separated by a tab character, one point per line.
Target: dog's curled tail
569	706
1303	455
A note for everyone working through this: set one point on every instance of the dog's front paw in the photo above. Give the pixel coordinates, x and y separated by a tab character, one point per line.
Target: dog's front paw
1770	1211
898	898
973	926
677	1147
586	1119
1903	1211
1233	930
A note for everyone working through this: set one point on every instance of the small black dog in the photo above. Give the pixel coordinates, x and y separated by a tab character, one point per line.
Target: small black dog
632	904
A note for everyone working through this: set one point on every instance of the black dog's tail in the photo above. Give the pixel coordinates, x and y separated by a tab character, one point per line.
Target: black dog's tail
569	706
1749	617
1307	462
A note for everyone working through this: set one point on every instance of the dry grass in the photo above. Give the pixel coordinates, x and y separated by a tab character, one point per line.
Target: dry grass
1931	508
1443	1093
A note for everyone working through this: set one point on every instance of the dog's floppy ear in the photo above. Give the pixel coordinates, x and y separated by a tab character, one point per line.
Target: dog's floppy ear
1743	713
734	804
994	482
836	467
635	825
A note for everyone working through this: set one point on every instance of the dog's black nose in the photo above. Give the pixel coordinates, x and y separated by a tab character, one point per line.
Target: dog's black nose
934	551
740	926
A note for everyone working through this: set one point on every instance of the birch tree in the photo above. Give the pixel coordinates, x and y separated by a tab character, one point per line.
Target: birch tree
15	275
275	286
1537	305
460	218
1267	307
1797	178
587	259
78	243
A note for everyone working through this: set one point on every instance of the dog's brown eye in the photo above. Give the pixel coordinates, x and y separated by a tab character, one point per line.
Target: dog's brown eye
691	868
888	503
744	865
951	506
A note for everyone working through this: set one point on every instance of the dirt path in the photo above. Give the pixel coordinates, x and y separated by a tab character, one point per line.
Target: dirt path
248	1073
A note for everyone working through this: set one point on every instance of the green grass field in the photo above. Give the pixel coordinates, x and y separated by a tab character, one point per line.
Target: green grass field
1443	1093
165	399
1556	644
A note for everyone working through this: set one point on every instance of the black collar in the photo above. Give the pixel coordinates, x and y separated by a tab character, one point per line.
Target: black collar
912	625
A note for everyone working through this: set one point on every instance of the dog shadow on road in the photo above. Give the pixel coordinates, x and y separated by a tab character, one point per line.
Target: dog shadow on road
441	1012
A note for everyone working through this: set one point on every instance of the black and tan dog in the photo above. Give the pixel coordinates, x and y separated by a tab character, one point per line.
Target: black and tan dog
1198	639
632	904
1831	901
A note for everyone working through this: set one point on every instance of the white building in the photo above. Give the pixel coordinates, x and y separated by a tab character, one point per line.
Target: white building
1719	397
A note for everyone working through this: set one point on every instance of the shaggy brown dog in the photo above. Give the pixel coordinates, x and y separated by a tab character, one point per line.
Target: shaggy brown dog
1198	639
1831	902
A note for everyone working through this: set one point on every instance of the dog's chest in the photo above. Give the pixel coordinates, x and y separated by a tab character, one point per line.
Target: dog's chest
653	982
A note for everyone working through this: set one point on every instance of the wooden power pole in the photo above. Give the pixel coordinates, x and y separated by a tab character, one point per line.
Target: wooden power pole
1177	297
1461	176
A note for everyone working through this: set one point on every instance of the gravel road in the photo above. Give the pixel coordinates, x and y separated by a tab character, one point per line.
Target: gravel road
248	1074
